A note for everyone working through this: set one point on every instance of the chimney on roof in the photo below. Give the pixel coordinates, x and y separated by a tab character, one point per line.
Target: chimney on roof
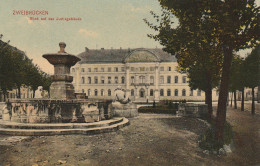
102	49
128	49
86	49
120	49
111	48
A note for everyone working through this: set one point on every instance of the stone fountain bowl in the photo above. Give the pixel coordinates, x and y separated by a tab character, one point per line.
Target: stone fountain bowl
61	58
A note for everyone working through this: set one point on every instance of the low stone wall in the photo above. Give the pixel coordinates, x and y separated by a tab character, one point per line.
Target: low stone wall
192	110
2	104
128	110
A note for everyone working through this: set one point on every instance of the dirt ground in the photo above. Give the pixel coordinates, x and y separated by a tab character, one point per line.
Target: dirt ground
149	140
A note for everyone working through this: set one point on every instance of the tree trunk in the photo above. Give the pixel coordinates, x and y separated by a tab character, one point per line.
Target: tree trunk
33	93
4	97
223	94
253	102
231	99
235	99
208	95
243	99
227	100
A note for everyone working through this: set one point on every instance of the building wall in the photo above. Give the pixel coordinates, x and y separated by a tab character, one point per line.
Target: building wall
138	77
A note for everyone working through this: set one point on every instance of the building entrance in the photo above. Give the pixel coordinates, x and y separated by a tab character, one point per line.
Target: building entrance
142	92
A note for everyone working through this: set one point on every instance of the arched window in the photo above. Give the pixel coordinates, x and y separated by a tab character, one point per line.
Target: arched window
102	80
183	92
169	79
151	80
132	92
151	92
83	80
176	92
161	92
191	92
176	79
122	80
96	92
116	80
96	80
89	80
102	92
161	80
109	80
89	92
199	93
82	91
142	79
132	79
109	92
142	92
168	92
184	79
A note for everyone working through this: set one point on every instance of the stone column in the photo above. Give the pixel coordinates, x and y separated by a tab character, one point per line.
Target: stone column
127	80
136	93
147	93
258	100
156	91
77	79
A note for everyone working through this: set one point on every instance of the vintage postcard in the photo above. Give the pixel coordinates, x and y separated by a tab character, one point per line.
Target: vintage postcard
129	82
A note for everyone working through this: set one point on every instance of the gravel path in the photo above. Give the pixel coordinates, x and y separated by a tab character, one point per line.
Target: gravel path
148	140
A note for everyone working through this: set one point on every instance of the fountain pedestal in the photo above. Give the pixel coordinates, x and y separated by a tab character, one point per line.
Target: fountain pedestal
61	87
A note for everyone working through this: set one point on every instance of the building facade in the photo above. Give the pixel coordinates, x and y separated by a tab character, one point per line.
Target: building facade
144	74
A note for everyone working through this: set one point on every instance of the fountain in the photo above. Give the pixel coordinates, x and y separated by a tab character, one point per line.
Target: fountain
61	87
62	113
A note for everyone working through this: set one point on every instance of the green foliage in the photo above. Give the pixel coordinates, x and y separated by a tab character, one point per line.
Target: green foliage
159	109
207	140
16	70
237	74
208	33
252	68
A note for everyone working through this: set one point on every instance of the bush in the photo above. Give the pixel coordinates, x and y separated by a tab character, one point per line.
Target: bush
159	109
207	140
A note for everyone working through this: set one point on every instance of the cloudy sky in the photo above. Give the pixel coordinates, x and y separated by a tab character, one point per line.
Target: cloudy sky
104	24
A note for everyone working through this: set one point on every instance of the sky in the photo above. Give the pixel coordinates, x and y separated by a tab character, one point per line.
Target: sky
104	24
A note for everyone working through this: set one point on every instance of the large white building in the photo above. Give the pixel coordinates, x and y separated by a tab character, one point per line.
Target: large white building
144	74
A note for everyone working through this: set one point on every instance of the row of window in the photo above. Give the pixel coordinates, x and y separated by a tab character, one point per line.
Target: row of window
102	69
102	92
142	92
141	80
116	69
102	80
176	92
176	79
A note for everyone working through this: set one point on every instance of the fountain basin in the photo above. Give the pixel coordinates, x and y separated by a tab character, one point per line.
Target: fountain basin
55	111
61	58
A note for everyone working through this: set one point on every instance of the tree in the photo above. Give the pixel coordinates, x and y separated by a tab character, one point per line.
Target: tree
236	77
34	78
17	70
6	68
227	25
252	63
46	80
201	78
197	53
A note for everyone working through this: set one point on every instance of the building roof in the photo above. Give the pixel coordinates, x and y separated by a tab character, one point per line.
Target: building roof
122	55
